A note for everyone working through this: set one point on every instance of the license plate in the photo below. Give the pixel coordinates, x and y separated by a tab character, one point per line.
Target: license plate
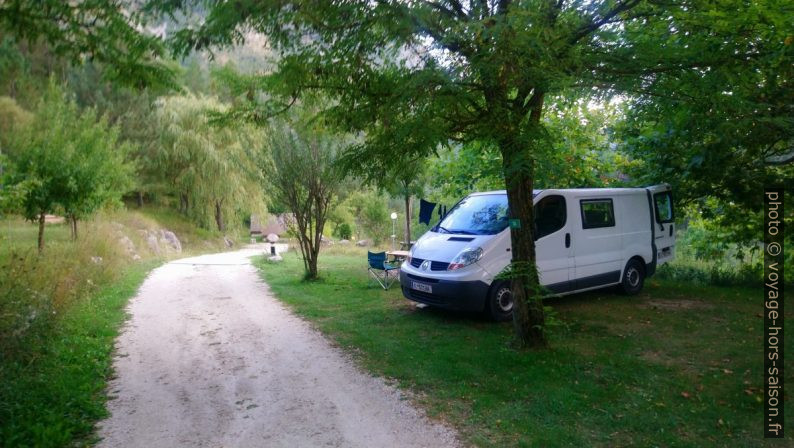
424	287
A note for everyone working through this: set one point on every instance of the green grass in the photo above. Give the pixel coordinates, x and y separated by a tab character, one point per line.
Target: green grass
678	365
59	313
54	397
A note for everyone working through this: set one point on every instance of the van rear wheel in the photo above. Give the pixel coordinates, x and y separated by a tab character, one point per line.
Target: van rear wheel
500	302
633	277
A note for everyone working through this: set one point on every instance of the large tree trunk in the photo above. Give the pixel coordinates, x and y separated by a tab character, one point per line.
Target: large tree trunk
519	172
528	318
408	220
140	199
41	232
219	216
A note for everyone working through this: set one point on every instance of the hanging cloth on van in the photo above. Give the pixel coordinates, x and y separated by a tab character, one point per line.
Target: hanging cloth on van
426	211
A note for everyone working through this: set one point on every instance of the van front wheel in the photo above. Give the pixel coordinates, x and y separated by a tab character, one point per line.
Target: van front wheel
500	302
633	277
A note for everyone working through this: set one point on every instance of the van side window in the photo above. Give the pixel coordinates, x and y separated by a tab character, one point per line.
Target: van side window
664	207
597	213
550	215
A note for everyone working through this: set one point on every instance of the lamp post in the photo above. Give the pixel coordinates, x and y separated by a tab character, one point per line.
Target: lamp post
393	228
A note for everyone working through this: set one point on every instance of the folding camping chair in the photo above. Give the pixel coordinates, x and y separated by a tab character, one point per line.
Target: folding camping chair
384	272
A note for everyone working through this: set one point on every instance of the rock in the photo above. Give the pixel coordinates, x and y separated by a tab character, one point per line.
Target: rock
228	242
275	258
127	244
326	241
344	242
362	243
96	259
170	238
136	257
153	243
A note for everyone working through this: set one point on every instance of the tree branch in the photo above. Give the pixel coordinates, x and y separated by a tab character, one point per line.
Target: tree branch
594	24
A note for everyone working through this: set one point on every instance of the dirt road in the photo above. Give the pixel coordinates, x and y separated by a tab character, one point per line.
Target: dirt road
210	359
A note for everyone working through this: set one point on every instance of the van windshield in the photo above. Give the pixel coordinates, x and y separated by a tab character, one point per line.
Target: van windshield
476	215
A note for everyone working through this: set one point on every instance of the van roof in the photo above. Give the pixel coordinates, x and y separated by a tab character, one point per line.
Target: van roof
585	191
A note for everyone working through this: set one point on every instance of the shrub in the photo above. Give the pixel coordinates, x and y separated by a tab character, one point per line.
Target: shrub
343	232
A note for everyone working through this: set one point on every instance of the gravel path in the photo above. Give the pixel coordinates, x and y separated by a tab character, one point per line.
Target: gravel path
210	358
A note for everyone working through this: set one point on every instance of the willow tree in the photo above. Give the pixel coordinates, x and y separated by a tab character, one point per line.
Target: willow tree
211	169
456	70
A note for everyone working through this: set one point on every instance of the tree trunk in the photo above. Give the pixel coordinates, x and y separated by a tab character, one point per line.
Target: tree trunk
41	232
183	203
311	273
73	226
140	199
528	318
219	216
519	172
408	221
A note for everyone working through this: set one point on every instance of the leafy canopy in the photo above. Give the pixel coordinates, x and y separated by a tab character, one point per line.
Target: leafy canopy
68	160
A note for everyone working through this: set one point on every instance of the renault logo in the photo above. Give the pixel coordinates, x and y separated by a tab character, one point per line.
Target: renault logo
426	265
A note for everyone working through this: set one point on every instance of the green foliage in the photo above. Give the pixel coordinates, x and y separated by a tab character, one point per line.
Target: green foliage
580	155
108	32
343	231
371	212
12	118
212	170
67	160
54	396
301	172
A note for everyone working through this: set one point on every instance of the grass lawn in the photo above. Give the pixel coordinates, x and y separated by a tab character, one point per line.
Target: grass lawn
56	395
677	365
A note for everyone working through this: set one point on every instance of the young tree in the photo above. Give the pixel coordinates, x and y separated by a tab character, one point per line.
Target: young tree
303	178
67	160
456	70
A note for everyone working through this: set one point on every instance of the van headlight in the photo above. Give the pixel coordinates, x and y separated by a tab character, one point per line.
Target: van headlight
466	257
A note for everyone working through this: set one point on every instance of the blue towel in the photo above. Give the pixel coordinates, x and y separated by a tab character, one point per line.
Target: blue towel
426	211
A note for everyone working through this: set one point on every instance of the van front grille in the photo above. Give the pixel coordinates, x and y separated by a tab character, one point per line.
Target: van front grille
438	266
434	265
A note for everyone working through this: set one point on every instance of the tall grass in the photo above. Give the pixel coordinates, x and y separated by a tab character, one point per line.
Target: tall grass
60	311
35	289
723	264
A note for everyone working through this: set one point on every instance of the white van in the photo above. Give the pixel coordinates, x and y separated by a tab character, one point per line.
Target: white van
585	239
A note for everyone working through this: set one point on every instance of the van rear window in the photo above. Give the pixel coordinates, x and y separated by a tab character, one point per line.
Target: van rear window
664	207
597	213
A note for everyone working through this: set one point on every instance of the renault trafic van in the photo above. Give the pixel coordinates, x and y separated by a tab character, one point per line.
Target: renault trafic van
585	239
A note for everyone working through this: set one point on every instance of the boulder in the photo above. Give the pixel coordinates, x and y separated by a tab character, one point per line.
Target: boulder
170	238
228	241
275	258
127	244
362	243
343	242
153	243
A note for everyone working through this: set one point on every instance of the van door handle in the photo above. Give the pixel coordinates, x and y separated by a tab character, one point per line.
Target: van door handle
567	240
